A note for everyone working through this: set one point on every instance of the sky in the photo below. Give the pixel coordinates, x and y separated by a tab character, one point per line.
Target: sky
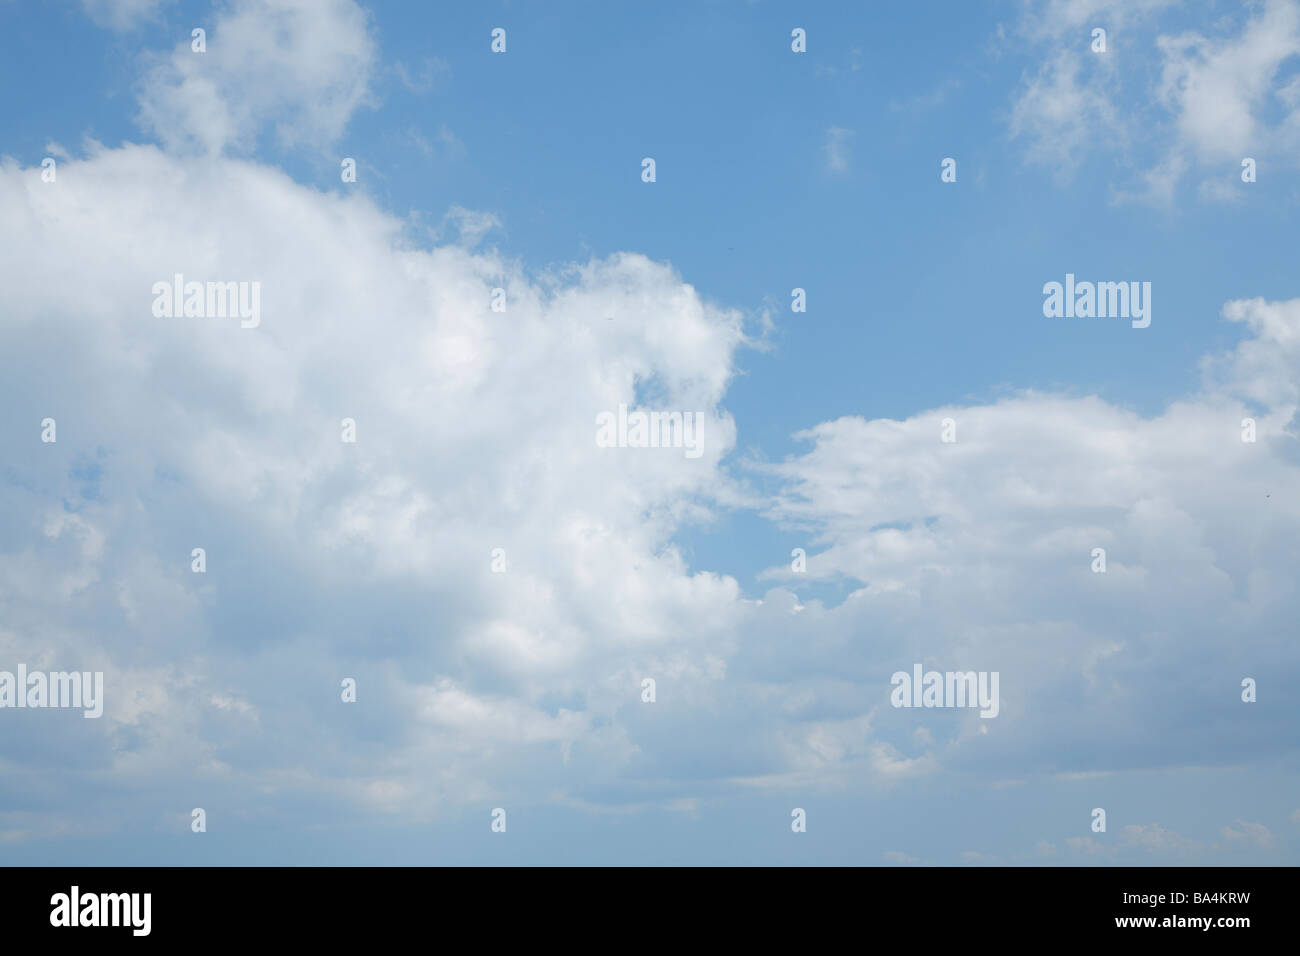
497	585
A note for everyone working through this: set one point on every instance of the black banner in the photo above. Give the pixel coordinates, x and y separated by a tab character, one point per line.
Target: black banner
1220	906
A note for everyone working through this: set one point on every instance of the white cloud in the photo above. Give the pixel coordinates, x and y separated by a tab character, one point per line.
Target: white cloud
1088	846
1154	838
1063	117
1217	87
1219	95
476	431
301	67
471	224
1251	834
977	556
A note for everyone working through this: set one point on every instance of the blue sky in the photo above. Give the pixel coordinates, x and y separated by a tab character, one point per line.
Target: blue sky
775	170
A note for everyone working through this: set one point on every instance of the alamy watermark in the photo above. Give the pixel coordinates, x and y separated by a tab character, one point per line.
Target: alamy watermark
83	689
209	300
75	908
947	689
1101	300
651	430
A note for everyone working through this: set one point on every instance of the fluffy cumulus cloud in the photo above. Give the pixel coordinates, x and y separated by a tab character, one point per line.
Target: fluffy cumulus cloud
475	431
325	559
978	555
300	67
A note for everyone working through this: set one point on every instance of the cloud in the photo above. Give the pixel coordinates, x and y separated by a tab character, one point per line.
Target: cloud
372	560
471	225
1215	190
1062	117
1158	186
444	144
300	68
1088	846
1215	99
327	560
1251	834
425	77
975	555
923	102
1217	88
1068	104
1056	19
123	15
1154	838
897	856
838	145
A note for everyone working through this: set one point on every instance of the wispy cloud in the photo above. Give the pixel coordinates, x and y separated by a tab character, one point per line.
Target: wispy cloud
838	147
